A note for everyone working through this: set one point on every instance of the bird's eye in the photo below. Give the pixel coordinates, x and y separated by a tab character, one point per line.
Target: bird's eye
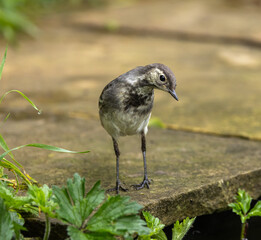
162	78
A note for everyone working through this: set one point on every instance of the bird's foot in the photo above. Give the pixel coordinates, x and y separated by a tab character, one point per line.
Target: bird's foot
146	182
118	188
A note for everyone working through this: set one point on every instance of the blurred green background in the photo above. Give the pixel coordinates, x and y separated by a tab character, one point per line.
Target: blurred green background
20	16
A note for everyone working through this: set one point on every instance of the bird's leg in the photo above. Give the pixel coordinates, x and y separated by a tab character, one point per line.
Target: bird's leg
146	182
118	183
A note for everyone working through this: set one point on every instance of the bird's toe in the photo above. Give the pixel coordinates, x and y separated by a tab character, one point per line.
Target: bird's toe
119	187
145	183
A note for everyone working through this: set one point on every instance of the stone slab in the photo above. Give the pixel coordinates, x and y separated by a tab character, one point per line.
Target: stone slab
193	174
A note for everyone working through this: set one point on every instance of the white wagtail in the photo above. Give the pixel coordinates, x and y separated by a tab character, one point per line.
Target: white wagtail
125	107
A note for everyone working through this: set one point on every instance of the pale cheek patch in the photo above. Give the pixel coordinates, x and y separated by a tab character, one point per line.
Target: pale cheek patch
155	74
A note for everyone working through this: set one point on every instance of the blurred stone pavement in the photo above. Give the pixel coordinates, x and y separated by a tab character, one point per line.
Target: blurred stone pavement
211	144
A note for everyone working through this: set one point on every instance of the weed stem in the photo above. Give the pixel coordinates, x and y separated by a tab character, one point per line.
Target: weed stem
47	227
244	231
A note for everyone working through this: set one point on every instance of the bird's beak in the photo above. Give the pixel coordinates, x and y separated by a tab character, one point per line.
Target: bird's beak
173	94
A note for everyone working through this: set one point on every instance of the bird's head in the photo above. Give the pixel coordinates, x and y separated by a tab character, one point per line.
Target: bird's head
161	77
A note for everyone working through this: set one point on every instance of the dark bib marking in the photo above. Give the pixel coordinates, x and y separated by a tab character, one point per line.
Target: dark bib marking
135	100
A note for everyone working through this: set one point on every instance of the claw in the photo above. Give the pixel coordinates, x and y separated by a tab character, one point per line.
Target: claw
118	188
146	182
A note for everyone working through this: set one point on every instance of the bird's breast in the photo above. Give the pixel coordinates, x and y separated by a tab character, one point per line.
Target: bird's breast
126	110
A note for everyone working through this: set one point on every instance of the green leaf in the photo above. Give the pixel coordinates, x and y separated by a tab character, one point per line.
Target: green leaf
76	188
15	203
128	225
41	196
156	228
242	205
117	216
160	236
92	200
244	199
66	211
74	206
6	224
122	213
9	204
18	223
180	229
76	234
236	208
3	63
255	211
43	146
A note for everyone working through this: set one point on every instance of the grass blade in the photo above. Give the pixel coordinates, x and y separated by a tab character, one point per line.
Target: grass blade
24	96
21	172
5	147
3	63
7	116
43	146
8	165
52	148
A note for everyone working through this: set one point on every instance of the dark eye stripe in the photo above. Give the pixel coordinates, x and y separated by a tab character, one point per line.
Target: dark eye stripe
162	78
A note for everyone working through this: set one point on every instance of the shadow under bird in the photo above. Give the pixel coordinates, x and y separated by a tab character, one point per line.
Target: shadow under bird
125	107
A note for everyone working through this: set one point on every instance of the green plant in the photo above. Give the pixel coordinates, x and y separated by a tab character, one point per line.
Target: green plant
89	215
7	223
37	199
155	226
242	208
42	197
11	222
14	202
178	231
19	15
